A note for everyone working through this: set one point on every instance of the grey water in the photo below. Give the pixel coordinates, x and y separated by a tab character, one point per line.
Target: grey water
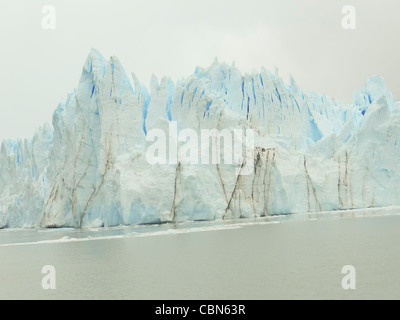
283	257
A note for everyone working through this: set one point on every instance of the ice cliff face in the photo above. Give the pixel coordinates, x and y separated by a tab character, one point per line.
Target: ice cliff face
312	153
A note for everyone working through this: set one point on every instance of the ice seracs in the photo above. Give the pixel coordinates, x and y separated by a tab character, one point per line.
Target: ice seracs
311	153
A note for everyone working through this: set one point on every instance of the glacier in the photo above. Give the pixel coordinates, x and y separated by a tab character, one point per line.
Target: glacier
312	153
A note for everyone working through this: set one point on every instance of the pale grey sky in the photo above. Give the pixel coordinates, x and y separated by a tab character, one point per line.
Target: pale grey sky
171	37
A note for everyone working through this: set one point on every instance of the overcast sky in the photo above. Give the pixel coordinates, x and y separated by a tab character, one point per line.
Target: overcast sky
304	38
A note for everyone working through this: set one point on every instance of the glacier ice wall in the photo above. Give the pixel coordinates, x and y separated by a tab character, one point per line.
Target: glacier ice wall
89	168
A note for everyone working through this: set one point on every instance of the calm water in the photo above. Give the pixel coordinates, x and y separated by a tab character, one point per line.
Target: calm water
296	257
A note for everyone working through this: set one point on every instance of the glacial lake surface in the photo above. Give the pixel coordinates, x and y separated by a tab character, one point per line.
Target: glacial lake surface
281	257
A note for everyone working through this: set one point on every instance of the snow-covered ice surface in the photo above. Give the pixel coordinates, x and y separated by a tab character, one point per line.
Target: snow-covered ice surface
89	169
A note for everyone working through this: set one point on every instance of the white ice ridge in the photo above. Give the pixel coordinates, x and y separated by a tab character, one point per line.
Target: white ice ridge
89	169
